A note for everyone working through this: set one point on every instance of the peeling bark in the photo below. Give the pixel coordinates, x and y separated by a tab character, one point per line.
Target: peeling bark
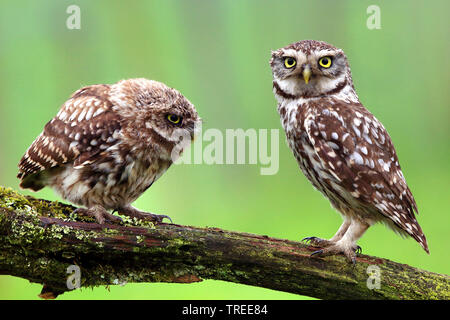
40	239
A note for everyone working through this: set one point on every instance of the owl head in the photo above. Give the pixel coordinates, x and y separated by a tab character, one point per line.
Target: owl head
310	68
157	112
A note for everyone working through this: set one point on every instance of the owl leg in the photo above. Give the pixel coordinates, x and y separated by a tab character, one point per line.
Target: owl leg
99	213
135	213
347	244
318	242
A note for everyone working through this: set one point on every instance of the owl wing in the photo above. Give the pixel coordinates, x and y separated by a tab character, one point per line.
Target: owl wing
355	148
83	128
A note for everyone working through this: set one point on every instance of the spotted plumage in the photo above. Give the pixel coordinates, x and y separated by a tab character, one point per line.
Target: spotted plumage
108	144
343	150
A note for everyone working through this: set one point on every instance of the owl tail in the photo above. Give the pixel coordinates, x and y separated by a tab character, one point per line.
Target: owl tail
419	236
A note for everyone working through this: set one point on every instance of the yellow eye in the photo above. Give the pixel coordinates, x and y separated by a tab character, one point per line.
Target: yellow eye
175	119
289	62
325	62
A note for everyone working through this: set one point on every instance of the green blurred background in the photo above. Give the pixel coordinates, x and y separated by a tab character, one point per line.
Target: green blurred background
216	53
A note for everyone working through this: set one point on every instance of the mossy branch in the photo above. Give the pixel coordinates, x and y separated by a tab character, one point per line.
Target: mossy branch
40	239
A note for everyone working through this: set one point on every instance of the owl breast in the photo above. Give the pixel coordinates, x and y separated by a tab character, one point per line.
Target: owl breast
112	182
292	119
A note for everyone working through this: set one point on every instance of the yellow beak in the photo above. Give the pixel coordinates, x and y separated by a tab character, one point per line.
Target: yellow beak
306	73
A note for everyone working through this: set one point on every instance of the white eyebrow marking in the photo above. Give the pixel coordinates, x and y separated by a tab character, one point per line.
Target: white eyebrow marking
326	52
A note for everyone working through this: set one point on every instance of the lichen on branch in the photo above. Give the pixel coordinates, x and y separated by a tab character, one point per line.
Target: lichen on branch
40	239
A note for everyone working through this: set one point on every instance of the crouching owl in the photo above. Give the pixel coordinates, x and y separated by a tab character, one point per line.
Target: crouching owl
343	150
108	144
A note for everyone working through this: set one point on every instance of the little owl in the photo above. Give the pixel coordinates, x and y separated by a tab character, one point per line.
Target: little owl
108	144
343	150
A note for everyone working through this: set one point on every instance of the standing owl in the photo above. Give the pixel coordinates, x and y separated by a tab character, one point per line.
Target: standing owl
343	150
108	144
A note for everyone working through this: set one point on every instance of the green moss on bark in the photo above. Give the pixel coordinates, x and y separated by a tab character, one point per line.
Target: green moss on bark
39	239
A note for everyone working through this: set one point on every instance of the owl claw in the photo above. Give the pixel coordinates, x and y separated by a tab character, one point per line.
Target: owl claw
135	213
307	239
160	217
349	253
317	242
99	213
316	252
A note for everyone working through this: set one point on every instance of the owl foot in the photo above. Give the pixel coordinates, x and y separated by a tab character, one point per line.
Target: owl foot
349	252
135	213
99	213
318	242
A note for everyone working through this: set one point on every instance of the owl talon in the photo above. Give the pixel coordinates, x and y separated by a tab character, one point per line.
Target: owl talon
99	213
348	252
160	217
317	242
157	218
135	213
318	252
308	239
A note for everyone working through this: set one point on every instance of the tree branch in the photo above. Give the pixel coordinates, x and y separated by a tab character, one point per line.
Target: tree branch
40	239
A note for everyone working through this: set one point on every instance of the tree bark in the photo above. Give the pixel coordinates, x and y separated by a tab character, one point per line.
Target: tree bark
40	239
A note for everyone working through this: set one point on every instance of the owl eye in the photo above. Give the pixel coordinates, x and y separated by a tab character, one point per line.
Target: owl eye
289	62
175	119
325	62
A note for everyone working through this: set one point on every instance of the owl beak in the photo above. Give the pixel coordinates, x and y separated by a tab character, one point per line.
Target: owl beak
306	73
